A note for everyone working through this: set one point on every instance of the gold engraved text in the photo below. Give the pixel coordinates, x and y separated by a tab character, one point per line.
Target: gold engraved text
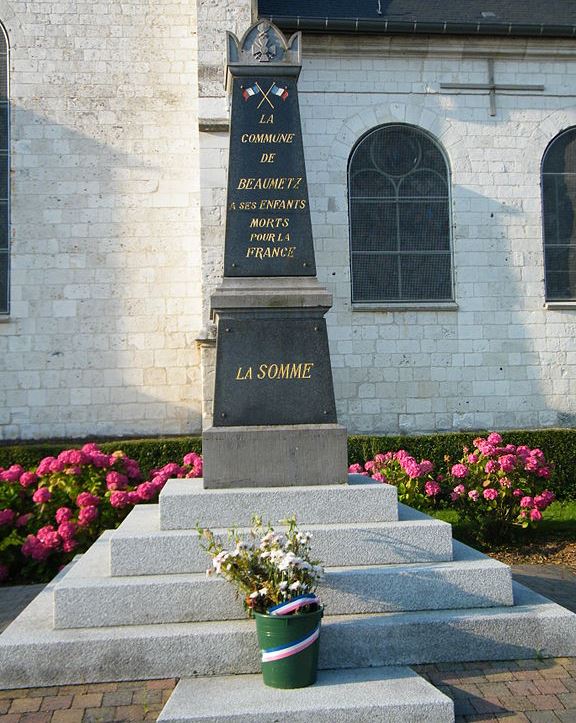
281	183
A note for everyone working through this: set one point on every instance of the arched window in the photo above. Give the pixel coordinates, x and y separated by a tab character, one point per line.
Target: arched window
4	176
398	189
559	217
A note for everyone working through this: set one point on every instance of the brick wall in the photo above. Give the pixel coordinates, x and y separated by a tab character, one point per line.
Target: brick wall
106	274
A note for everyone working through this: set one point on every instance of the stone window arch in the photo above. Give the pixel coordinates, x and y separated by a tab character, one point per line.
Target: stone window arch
399	206
559	216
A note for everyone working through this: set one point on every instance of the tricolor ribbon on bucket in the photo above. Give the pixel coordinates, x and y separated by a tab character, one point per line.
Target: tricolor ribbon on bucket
296	603
269	655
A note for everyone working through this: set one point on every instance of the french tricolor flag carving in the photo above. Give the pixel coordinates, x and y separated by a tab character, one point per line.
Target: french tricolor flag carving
249	92
280	92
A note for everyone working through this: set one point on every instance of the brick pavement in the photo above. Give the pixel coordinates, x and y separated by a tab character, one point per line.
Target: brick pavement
532	691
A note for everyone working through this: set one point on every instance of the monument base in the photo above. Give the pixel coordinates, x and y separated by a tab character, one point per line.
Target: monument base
304	454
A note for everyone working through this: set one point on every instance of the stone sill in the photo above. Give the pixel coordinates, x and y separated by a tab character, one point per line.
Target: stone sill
423	306
5	318
553	305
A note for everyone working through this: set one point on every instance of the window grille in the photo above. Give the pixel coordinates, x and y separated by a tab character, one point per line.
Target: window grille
559	217
4	176
399	204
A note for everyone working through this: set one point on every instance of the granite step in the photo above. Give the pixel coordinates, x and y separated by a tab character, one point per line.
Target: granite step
363	695
184	504
140	547
88	597
33	653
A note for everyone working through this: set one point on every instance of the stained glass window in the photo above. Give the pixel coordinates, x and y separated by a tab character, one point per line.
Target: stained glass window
559	217
399	202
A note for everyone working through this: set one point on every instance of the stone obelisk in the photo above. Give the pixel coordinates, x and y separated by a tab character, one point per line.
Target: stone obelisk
274	417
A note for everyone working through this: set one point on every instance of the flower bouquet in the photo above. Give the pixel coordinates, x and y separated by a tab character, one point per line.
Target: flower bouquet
276	576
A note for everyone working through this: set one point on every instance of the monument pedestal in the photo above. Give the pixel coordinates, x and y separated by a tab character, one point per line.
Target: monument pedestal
299	454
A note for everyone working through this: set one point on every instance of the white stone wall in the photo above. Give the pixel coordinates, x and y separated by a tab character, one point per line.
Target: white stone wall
501	359
106	272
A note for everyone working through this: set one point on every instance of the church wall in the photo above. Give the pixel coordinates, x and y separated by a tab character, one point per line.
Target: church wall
501	359
498	358
106	263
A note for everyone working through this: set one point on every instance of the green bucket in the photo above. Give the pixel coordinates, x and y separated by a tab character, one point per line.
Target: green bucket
289	647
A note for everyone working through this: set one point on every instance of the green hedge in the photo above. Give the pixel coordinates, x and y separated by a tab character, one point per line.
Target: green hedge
559	446
150	453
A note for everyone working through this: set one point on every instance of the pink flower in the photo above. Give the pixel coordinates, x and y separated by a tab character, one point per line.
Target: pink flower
90	447
505	482
549	496
526	502
379	477
426	467
146	491
535	515
487	449
412	468
100	460
131	468
12	474
494	438
87	515
518	493
459	470
72	457
133	498
170	470
42	495
380	458
44	466
474	495
48	537
7	517
355	468
491	466
116	481
27	479
523	452
454	496
432	488
57	466
23	520
543	472
490	493
508	462
119	499
63	514
69	545
66	530
369	465
85	499
33	548
473	458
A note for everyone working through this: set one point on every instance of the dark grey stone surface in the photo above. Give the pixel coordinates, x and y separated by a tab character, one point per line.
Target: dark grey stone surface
273	367
268	229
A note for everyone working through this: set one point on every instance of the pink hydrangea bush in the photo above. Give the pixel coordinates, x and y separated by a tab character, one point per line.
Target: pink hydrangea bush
49	514
499	487
414	480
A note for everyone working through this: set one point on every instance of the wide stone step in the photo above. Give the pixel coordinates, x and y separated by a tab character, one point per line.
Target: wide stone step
88	597
364	695
33	653
184	504
139	547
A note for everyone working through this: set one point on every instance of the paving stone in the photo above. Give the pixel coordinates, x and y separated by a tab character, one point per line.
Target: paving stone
553	685
56	702
546	702
25	705
68	716
100	715
117	697
87	700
